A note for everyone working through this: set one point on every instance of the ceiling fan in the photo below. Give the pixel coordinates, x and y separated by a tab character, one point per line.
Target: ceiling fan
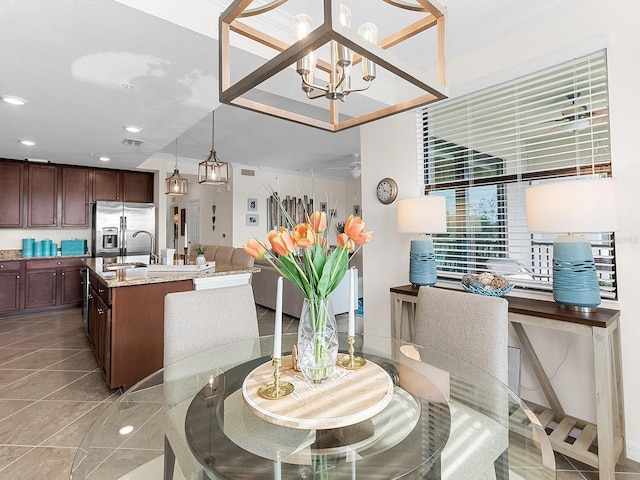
353	168
576	117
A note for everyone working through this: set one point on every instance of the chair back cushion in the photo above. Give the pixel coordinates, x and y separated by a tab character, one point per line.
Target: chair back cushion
240	257
200	319
224	254
471	327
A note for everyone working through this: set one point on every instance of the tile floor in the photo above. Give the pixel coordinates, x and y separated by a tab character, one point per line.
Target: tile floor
51	391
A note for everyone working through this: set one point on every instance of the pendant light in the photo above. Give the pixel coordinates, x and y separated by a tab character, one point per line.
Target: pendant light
213	171
176	184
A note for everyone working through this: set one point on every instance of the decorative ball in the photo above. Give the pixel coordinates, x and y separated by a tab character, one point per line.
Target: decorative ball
476	284
468	279
489	288
486	278
500	283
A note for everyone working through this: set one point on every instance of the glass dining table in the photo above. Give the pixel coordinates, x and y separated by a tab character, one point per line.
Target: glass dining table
441	418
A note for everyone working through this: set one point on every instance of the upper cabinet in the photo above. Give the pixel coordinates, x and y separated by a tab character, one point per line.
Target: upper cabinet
11	193
75	197
47	195
42	196
122	186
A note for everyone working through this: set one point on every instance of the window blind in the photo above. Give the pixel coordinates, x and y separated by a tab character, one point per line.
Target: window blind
482	150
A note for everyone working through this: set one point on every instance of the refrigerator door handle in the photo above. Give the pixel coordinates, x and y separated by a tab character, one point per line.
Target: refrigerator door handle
124	236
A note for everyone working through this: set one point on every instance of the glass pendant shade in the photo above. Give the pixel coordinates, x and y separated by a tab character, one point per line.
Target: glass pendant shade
176	184
213	171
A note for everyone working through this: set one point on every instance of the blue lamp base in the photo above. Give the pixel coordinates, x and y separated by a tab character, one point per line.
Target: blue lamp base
422	262
575	281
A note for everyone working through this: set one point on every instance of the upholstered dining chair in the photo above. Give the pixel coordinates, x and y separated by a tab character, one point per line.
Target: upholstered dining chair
224	254
240	257
473	329
195	321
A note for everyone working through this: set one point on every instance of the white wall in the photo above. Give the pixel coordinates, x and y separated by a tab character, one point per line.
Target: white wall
591	26
333	192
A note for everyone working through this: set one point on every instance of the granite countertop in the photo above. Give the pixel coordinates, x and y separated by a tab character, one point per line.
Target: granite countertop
143	276
6	255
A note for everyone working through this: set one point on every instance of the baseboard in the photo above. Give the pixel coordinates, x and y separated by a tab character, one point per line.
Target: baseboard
633	451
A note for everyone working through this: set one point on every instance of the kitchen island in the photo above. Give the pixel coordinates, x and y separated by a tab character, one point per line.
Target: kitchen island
125	310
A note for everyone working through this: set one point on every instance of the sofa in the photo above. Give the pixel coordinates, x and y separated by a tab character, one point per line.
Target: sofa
264	292
222	254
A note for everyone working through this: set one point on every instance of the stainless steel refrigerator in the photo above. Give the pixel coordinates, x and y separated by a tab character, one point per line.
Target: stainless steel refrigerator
114	224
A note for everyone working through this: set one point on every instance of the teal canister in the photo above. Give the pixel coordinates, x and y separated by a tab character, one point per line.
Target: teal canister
46	247
37	249
27	247
53	251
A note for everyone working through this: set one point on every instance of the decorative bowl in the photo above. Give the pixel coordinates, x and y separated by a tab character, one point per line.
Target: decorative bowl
478	290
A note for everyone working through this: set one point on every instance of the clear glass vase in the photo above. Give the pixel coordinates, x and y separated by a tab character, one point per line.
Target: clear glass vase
317	339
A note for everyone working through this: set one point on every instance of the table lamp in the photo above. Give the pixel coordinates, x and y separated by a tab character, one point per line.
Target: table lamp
422	215
573	206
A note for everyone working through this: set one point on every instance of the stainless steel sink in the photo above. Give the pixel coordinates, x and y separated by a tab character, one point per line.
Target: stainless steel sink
112	267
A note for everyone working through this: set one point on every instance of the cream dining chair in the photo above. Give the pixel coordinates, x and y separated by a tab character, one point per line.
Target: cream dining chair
474	329
195	321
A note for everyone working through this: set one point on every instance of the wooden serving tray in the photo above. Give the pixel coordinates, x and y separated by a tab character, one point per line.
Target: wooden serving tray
349	397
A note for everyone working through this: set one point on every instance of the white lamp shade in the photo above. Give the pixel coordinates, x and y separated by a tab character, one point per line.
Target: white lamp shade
574	206
426	214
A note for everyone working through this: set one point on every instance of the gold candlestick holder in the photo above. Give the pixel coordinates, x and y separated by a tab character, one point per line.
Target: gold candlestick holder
276	389
351	362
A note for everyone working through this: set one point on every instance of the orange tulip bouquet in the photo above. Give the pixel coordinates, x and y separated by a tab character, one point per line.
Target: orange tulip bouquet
303	255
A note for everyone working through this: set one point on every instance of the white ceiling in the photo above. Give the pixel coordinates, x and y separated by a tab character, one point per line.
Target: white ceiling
89	67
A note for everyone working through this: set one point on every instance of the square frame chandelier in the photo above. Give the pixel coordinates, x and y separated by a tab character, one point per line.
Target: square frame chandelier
349	50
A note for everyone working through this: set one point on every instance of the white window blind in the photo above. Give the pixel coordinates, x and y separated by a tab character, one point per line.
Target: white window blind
483	149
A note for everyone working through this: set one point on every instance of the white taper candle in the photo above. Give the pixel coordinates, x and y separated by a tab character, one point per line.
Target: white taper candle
277	332
352	314
186	240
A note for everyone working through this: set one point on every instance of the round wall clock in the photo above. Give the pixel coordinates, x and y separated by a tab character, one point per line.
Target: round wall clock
387	190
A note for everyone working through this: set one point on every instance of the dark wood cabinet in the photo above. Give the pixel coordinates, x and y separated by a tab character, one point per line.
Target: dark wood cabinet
40	287
75	197
122	186
10	287
52	283
36	195
137	187
99	331
70	285
106	185
42	196
11	194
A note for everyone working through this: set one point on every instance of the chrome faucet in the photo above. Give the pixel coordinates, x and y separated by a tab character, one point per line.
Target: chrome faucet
153	258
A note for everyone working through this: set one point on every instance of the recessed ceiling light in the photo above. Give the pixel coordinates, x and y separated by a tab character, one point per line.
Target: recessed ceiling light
132	129
11	100
28	143
104	159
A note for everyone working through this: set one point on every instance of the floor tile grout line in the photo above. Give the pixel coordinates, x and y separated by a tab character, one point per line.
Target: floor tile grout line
123	442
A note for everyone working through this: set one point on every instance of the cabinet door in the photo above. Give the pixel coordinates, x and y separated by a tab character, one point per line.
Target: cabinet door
42	201
11	194
70	291
75	197
106	185
10	291
137	187
40	288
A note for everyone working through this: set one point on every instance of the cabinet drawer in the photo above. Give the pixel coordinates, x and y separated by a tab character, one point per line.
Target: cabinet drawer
9	266
100	287
54	263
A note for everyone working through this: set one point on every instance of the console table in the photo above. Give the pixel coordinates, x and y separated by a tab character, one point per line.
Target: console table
600	445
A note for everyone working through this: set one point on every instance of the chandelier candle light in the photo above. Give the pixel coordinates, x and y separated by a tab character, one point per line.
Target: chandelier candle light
325	53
